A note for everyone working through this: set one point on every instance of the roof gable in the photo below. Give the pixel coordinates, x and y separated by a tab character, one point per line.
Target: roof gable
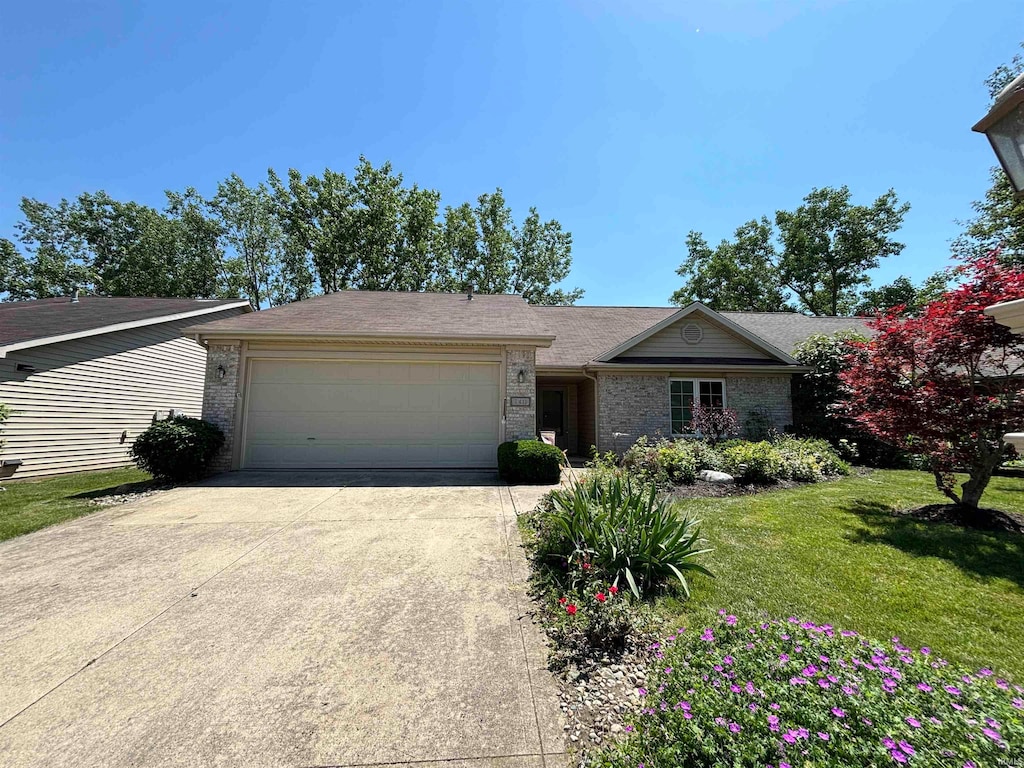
746	347
39	322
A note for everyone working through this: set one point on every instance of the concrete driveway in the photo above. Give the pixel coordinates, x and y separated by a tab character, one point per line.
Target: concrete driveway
278	619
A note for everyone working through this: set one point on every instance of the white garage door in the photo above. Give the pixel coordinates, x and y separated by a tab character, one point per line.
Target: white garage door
340	414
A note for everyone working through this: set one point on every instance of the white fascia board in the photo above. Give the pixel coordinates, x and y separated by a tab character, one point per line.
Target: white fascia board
1008	313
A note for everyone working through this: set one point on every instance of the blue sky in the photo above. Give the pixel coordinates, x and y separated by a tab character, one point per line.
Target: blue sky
630	121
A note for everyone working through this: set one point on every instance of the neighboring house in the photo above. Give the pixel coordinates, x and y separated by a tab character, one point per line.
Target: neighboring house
84	377
375	379
1010	314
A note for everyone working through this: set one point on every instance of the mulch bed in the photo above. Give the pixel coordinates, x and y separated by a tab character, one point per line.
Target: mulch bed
703	490
979	519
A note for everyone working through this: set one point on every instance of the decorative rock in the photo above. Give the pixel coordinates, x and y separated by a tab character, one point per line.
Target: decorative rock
716	478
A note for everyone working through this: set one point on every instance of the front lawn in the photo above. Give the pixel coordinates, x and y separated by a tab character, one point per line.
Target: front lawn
28	505
833	553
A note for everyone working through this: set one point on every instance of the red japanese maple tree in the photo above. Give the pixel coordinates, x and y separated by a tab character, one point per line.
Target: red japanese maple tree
947	384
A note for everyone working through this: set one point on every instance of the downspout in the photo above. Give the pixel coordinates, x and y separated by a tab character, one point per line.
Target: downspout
597	409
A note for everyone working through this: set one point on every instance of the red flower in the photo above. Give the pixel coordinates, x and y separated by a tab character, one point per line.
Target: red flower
601	597
570	609
613	590
586	566
563	600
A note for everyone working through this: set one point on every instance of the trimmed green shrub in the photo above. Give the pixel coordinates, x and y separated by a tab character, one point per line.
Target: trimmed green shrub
529	461
755	463
642	461
679	462
177	449
670	462
810	460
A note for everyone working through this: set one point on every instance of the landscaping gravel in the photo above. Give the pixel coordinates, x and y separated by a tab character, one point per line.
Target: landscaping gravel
597	695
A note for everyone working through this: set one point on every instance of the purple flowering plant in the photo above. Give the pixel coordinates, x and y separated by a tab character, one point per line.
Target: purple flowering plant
795	693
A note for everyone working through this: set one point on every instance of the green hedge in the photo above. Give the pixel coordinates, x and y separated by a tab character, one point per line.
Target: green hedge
529	461
177	449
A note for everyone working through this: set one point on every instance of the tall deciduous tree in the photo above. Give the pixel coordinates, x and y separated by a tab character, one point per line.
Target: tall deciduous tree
999	218
948	384
829	244
735	275
483	247
818	255
251	229
902	293
139	251
57	260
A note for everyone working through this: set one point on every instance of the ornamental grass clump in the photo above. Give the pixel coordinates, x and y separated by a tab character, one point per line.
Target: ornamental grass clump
789	693
625	531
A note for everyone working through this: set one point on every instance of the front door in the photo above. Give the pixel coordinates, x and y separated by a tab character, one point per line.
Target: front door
552	411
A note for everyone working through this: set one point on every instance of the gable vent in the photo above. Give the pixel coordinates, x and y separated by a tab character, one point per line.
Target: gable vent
692	333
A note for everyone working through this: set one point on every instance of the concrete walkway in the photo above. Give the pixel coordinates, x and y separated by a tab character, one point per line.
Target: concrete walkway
279	619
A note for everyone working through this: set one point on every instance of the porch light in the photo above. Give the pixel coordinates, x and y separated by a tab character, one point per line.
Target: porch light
521	376
1004	126
221	373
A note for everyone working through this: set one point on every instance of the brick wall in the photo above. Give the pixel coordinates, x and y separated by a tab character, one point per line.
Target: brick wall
221	400
638	405
633	406
520	421
771	393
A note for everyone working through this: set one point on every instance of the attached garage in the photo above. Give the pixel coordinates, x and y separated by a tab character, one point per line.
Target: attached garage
331	414
368	380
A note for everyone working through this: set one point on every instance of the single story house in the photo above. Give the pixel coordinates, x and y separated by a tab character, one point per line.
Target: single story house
409	380
84	376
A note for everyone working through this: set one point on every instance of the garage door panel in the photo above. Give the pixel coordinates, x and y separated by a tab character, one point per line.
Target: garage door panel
335	414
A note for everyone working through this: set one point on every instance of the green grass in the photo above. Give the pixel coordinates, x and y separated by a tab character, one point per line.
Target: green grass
833	553
28	505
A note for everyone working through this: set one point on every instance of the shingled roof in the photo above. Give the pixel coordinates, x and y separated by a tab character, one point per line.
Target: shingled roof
391	313
584	333
577	335
32	323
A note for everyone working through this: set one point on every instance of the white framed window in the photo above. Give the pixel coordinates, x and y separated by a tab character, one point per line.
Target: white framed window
683	393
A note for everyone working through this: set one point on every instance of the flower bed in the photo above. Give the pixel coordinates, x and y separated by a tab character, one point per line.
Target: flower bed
674	463
790	693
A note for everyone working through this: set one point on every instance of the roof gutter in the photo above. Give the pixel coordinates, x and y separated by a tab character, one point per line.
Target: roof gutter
127	326
665	367
199	334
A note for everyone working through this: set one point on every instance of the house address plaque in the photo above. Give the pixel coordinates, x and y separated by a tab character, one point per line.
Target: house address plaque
521	402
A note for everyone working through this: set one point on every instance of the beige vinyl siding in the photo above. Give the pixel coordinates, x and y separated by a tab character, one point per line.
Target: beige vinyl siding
717	342
70	414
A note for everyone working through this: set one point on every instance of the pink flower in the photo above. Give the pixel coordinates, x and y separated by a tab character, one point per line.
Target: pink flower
924	687
913	722
614	590
735	727
600	597
823	736
897	756
838	712
570	609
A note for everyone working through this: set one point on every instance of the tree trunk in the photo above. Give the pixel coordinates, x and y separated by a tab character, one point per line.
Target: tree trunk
979	475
